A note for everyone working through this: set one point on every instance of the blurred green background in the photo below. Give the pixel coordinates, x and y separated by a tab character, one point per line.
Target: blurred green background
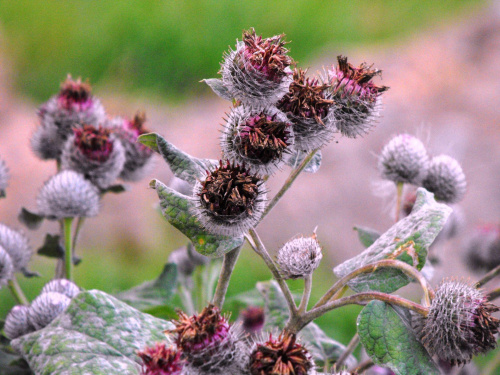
162	49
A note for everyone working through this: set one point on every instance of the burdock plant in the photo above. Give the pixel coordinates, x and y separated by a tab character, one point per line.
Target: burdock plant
279	117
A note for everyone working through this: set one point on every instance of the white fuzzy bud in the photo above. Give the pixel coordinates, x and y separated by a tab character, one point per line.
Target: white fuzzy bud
4	177
299	257
46	307
446	179
16	244
63	286
6	267
17	322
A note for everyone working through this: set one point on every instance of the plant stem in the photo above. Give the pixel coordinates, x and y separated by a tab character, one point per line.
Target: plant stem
306	294
489	276
348	351
363	367
492	366
79	225
399	195
17	292
187	299
225	275
68	255
494	294
289	181
259	248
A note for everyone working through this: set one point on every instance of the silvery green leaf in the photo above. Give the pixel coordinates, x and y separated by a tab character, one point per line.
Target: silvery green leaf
298	156
407	241
324	349
184	166
152	293
177	209
218	87
386	334
96	334
367	236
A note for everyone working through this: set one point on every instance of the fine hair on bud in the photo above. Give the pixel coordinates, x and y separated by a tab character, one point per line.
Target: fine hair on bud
96	153
446	179
17	322
459	324
230	200
309	105
6	267
46	307
161	359
259	137
404	160
299	257
16	244
68	194
4	177
63	286
357	98
258	70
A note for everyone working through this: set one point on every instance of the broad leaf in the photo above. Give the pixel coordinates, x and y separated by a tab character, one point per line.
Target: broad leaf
407	241
177	209
30	219
324	349
367	236
298	156
218	87
183	166
96	334
152	293
386	334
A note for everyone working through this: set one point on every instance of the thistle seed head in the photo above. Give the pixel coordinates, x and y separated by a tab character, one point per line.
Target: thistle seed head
483	248
63	286
459	324
4	177
445	179
75	95
46	307
252	319
161	359
310	107
282	356
230	200
299	257
258	70
68	194
17	322
356	97
6	267
16	244
404	159
259	137
95	153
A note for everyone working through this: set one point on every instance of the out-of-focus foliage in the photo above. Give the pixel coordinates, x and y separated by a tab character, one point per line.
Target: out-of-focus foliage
168	46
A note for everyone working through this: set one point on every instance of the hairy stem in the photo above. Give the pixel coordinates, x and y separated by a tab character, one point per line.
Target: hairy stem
494	294
388	263
260	249
363	367
306	294
187	299
348	351
225	275
488	277
17	292
68	252
399	195
289	181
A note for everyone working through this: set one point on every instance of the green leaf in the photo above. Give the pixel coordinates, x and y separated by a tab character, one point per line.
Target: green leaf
11	364
407	241
183	166
177	209
30	219
116	189
324	349
311	167
386	334
52	247
96	334
367	236
218	87
152	293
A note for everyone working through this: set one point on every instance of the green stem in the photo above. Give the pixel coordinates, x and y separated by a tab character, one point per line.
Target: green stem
399	188
187	299
489	276
79	225
494	294
225	275
306	294
68	255
17	292
289	181
363	367
348	351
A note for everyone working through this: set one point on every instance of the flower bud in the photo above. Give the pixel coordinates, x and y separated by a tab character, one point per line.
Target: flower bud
404	159
257	72
16	244
95	153
68	194
4	178
252	319
445	179
17	323
161	360
459	324
357	99
299	257
62	286
310	107
258	137
187	260
46	142
46	307
281	356
6	267
483	248
230	200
